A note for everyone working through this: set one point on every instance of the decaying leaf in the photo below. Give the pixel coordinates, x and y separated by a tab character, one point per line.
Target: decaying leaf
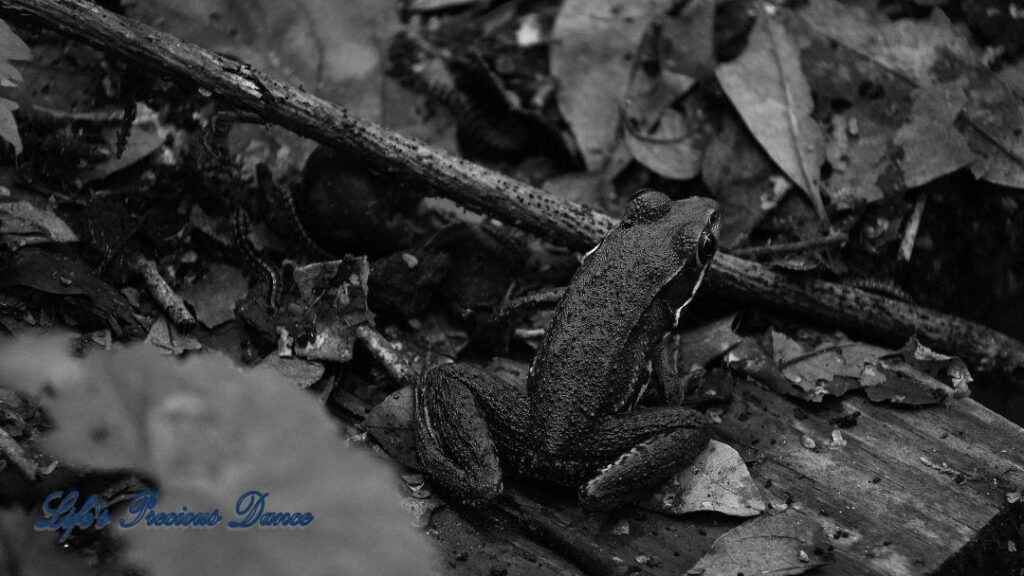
592	42
837	365
768	88
932	146
214	295
739	173
169	340
671	148
993	119
334	294
296	371
12	47
391	424
911	47
78	290
928	52
784	544
717	481
148	134
22	224
699	346
688	39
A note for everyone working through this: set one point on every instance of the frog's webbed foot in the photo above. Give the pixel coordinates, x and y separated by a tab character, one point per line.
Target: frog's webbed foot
461	412
642	448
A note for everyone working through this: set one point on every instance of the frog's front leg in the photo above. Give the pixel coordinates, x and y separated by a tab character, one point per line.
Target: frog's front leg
468	424
639	449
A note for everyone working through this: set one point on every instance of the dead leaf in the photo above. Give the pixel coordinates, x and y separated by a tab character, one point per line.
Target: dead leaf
672	148
22	224
12	47
701	345
333	294
769	90
298	372
688	40
994	122
932	146
908	46
391	425
717	481
214	295
652	88
147	135
79	290
857	180
738	172
780	544
169	340
837	365
927	52
590	54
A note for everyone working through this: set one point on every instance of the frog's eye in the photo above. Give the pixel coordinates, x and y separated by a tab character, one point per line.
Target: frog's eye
646	206
706	246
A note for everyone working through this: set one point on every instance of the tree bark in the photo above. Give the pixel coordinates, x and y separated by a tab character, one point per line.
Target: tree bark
494	194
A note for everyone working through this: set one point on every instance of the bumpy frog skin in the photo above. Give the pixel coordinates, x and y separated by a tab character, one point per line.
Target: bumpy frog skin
574	426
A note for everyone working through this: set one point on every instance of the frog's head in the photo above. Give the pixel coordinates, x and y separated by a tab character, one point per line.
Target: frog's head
676	239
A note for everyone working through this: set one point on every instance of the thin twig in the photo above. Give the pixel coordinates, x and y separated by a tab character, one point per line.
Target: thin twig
836	239
161	291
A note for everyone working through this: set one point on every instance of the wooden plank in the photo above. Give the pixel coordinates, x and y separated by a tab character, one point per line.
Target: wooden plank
895	513
885	506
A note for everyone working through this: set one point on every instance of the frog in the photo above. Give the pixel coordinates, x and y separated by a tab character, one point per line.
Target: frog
577	424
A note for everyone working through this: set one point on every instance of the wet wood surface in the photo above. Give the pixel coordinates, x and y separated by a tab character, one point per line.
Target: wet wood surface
909	494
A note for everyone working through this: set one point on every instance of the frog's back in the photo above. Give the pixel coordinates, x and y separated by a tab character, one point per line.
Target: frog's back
578	374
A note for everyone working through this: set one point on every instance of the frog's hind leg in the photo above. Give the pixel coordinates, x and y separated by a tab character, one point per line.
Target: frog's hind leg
639	449
462	413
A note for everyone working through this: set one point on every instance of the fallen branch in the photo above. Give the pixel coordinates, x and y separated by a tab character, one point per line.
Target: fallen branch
494	194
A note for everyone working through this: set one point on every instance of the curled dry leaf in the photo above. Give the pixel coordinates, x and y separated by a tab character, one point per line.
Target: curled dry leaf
780	544
769	90
671	148
717	481
666	140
